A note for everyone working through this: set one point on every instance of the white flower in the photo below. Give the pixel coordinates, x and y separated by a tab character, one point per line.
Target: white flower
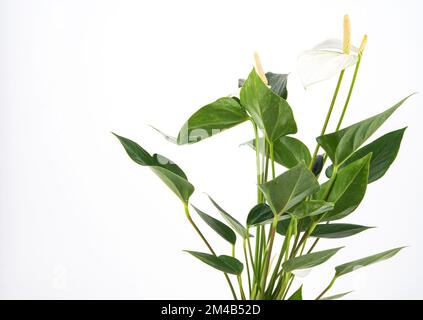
328	58
324	61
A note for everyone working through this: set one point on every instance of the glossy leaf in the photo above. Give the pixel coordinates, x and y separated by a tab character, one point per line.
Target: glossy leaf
262	214
341	144
310	208
277	82
384	151
166	170
211	119
337	230
348	189
271	113
309	260
288	151
297	295
221	229
336	296
235	224
222	263
290	188
357	264
259	214
282	226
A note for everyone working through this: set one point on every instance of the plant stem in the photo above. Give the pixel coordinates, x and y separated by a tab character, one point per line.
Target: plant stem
188	215
256	141
329	113
244	245
327	288
272	157
268	254
241	289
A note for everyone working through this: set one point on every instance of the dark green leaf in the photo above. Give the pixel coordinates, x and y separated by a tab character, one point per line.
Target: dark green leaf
277	82
235	224
337	230
290	188
288	151
309	260
348	189
222	263
302	225
336	296
310	208
222	229
211	119
341	144
384	151
357	264
270	112
297	295
258	214
166	170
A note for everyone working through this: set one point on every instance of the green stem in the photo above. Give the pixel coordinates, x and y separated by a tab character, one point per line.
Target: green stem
268	254
335	94
256	141
327	288
241	289
272	157
188	215
244	246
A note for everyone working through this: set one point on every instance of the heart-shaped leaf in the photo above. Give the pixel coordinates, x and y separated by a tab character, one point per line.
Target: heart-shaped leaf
297	295
235	224
288	151
222	263
290	188
348	189
221	229
271	113
341	144
384	151
211	119
166	170
357	264
337	230
277	82
309	260
258	214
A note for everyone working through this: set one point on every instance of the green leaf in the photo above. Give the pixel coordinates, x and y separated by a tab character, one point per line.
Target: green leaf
297	295
288	151
290	188
277	82
211	119
336	296
302	225
310	208
309	260
221	229
166	170
337	230
384	151
258	214
357	264
222	263
235	224
348	189
270	112
341	144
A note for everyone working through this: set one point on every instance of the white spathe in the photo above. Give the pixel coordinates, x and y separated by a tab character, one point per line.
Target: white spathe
324	61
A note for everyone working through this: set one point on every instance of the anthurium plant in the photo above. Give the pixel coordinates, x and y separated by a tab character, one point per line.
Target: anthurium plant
299	205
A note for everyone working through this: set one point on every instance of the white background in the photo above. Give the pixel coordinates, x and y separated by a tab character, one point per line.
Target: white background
78	219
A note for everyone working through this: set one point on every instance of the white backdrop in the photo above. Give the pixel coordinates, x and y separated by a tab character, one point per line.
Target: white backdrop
78	219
